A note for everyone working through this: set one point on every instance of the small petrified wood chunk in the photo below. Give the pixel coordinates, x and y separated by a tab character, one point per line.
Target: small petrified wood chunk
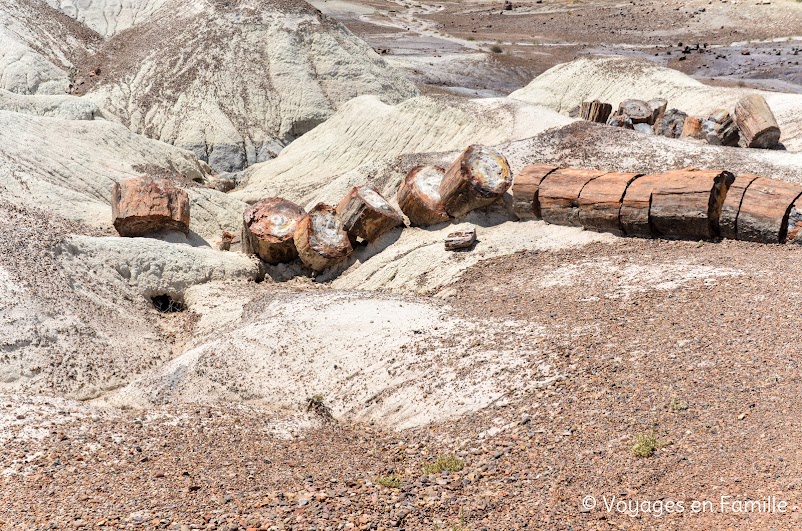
268	230
476	179
670	124
463	239
687	203
595	111
720	130
525	187
692	128
419	196
638	111
765	210
143	205
321	239
756	122
559	192
622	121
367	215
600	202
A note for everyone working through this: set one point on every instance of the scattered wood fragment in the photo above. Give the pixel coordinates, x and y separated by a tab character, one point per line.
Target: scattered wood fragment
226	241
595	111
756	122
525	187
320	238
692	128
670	123
558	195
625	122
476	179
638	111
366	215
268	230
419	196
600	202
463	239
142	205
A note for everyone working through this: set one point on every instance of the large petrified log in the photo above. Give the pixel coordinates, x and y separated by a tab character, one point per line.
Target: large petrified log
142	206
687	203
321	239
559	192
366	215
638	111
595	111
728	221
525	187
268	230
765	210
634	212
419	196
756	122
475	180
600	202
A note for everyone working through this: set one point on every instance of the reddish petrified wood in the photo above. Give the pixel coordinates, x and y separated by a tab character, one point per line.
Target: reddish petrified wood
366	215
765	210
321	239
525	187
756	122
687	203
559	192
419	196
600	202
463	239
692	128
634	213
142	206
476	179
732	205
268	230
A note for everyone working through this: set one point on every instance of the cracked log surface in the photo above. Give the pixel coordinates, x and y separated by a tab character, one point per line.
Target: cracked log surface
600	202
142	206
321	239
525	188
268	230
559	192
419	196
366	215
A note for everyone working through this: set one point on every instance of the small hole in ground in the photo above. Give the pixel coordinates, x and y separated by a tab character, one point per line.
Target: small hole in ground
165	304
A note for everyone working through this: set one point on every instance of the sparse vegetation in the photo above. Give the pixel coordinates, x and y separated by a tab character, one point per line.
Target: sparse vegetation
444	463
496	49
646	444
678	406
316	404
391	482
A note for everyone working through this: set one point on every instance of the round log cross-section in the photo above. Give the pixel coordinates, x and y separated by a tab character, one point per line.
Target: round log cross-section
475	180
419	196
268	230
320	238
366	215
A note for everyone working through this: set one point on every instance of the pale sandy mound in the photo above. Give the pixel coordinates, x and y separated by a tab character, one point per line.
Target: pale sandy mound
236	81
69	167
613	79
51	106
367	131
108	17
400	362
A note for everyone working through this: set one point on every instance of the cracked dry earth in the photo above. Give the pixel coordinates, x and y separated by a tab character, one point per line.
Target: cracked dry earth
695	343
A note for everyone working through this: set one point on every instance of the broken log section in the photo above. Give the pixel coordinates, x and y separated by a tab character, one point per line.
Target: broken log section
595	111
268	230
634	213
475	180
366	215
720	130
728	221
419	196
558	195
600	202
320	238
142	206
764	211
692	128
525	187
638	111
463	239
670	124
756	122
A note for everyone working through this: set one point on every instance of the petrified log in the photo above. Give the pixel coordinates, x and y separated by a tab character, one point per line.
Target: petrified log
638	111
595	111
463	239
525	187
268	230
692	128
622	121
670	124
658	106
728	221
321	239
720	130
765	210
475	180
419	196
687	203
559	192
142	205
756	122
600	202
366	215
634	213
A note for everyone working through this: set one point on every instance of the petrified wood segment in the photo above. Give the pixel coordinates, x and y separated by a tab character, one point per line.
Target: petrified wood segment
321	239
268	230
600	202
475	180
142	206
419	196
732	205
687	203
670	124
559	192
638	111
756	122
463	239
366	215
692	128
794	226
525	187
634	213
765	208
595	111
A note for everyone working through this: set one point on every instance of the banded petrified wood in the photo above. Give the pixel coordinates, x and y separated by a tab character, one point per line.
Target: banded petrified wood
600	202
419	196
728	221
366	215
558	195
765	210
476	179
595	111
634	213
142	206
525	186
268	230
756	122
687	203
321	239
